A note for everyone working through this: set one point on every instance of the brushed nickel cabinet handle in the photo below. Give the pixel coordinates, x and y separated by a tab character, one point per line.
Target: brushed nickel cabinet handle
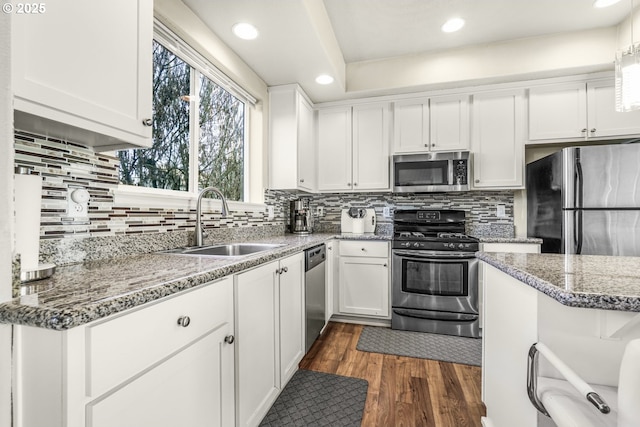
147	122
184	321
229	339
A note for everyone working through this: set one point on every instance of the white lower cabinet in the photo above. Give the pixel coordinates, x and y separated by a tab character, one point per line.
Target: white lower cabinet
164	364
270	334
364	279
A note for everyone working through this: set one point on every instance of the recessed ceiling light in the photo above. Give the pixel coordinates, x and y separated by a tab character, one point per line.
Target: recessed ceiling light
453	25
604	3
245	31
324	79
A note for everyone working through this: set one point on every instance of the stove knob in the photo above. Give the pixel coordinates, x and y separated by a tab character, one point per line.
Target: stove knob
452	245
416	245
461	246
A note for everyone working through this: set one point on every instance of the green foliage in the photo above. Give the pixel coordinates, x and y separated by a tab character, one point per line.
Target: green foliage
221	133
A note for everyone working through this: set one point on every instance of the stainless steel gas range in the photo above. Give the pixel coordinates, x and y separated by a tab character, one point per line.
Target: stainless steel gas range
434	273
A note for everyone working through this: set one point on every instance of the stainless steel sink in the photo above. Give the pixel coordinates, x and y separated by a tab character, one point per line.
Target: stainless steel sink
229	250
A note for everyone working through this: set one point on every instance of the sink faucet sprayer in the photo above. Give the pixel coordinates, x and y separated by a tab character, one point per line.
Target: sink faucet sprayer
224	211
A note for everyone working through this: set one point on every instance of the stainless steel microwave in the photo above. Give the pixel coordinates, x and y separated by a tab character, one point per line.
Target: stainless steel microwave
431	172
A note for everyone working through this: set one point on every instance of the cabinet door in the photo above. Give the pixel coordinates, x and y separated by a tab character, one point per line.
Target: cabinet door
411	126
558	111
306	147
195	387
334	149
604	120
364	286
291	140
257	341
330	273
371	147
449	123
498	140
74	77
292	312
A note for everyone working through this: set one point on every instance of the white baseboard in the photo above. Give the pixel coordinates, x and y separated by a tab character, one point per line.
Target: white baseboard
486	422
341	318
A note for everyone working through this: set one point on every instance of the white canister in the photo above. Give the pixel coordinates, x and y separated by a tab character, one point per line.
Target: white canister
357	226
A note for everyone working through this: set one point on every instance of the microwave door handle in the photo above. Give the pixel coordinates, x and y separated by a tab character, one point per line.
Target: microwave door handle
450	171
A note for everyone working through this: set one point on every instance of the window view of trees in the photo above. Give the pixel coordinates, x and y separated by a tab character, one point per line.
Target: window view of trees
217	139
221	154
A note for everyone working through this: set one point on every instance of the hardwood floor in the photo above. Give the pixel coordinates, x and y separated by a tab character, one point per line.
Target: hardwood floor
403	391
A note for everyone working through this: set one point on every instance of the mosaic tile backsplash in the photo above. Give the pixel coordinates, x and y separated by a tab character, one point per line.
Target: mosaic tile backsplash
480	206
113	230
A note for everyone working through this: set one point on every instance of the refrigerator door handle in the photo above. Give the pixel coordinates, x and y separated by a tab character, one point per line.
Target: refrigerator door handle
578	232
578	200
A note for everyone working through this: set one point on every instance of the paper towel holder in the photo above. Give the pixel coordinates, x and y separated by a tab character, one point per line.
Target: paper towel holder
43	270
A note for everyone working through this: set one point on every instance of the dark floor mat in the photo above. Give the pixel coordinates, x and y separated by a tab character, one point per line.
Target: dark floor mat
467	351
317	399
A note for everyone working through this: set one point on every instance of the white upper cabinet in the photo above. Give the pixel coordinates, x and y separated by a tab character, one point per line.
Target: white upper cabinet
449	117
291	140
370	147
431	124
578	111
411	126
497	140
353	148
83	71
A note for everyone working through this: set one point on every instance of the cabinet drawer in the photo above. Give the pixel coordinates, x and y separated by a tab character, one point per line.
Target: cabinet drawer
119	348
363	248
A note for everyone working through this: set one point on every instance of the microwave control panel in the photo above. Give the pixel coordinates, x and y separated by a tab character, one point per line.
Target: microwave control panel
460	172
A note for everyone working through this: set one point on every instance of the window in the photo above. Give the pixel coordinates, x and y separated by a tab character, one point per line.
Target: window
197	126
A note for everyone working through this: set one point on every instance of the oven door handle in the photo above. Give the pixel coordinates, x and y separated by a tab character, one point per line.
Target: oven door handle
434	255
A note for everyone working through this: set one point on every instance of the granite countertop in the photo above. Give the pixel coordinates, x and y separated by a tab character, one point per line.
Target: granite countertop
80	293
587	281
510	240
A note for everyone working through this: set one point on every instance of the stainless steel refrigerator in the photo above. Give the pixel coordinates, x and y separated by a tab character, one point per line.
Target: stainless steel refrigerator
586	200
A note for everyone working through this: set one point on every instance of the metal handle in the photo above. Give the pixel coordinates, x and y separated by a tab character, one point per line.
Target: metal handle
302	180
278	271
147	122
572	378
363	249
426	145
583	130
477	181
355	183
229	339
433	145
384	265
593	130
184	321
348	184
285	269
422	254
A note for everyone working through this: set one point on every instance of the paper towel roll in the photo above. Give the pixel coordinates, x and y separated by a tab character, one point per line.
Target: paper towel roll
28	195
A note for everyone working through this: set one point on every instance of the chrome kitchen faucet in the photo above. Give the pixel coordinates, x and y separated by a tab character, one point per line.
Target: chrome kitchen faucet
224	211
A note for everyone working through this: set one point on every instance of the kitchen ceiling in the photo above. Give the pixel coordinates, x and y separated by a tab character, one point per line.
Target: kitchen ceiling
300	39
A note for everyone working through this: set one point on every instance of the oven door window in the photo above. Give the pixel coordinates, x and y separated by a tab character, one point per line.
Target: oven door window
434	172
435	277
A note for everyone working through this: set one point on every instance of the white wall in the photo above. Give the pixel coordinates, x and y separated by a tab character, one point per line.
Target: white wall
6	212
545	56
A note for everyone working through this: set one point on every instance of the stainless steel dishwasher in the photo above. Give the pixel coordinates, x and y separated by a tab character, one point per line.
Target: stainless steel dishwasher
314	292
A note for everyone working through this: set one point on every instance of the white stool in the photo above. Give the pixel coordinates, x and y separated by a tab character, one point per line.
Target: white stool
574	403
